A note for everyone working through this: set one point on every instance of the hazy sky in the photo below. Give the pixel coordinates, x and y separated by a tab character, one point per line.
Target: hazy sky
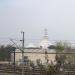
33	16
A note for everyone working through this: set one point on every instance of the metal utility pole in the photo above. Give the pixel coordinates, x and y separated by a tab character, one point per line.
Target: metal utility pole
46	56
22	53
14	59
22	50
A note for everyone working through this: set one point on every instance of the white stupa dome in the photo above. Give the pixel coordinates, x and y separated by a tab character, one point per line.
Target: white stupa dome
30	45
45	43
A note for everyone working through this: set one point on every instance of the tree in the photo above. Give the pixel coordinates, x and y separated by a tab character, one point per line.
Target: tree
5	52
52	47
60	49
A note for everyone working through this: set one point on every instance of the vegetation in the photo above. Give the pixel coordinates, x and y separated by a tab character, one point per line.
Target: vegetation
5	52
62	48
61	58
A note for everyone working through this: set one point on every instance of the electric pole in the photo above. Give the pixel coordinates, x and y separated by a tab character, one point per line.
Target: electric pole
22	53
22	50
46	56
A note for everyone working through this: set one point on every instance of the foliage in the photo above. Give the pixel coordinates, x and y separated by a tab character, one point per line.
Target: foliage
32	64
38	61
58	46
5	52
52	69
60	58
52	47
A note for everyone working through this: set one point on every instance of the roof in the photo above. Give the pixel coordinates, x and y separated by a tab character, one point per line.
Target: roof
45	43
30	45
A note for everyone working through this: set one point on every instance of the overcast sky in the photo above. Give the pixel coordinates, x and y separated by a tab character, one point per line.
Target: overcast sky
33	16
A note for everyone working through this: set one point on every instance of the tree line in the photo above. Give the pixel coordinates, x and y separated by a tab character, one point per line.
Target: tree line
5	52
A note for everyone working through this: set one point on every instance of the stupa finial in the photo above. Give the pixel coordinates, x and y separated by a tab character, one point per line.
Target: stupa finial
45	34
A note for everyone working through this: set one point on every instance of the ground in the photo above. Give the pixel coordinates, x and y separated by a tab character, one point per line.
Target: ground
8	74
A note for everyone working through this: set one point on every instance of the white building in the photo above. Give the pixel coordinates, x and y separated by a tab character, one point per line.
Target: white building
33	53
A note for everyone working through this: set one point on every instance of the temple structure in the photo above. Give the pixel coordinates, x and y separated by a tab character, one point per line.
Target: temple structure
33	53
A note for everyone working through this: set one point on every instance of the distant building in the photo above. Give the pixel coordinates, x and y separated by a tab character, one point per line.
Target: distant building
34	53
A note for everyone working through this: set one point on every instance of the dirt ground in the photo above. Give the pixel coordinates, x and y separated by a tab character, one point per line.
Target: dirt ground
8	74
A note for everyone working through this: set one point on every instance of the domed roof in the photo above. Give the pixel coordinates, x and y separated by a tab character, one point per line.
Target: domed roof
30	45
45	42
